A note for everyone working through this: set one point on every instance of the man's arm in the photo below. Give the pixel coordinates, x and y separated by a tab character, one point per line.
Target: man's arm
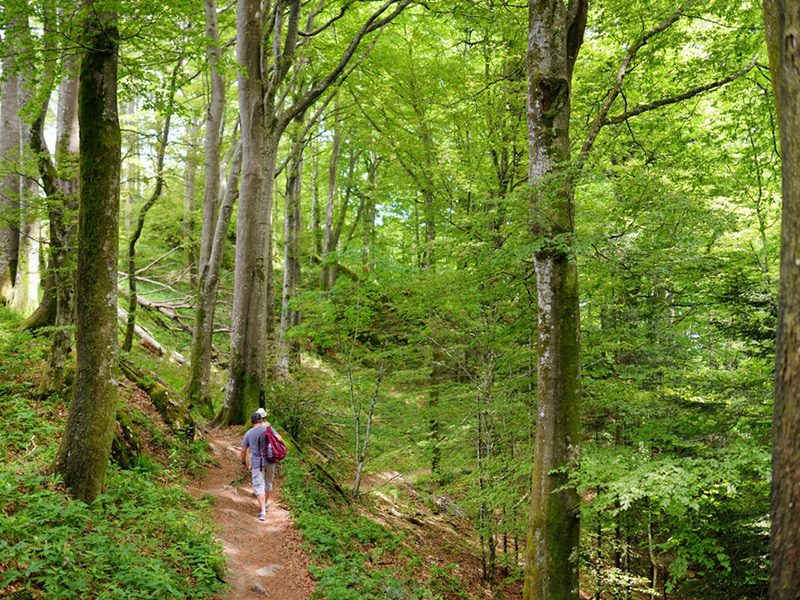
243	455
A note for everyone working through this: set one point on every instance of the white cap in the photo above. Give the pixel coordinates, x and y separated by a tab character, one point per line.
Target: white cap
262	412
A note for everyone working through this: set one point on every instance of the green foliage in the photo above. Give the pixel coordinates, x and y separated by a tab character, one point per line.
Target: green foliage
139	540
143	538
677	214
348	549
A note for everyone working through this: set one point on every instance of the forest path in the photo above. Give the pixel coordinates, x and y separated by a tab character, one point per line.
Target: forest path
265	559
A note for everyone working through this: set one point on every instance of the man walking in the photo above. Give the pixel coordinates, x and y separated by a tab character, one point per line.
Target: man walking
262	470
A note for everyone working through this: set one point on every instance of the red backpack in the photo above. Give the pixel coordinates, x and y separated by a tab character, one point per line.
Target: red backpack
270	448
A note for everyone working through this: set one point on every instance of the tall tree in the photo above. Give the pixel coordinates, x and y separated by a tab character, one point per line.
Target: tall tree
163	139
9	190
83	454
200	368
52	181
329	238
26	284
555	36
264	116
289	350
60	179
208	283
782	18
189	191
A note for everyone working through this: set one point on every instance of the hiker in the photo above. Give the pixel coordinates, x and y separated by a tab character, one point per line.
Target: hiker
262	469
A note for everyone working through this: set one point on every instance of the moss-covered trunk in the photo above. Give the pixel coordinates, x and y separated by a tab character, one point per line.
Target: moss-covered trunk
555	35
782	18
83	455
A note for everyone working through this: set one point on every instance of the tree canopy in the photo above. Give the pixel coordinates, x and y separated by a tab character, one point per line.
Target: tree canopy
487	219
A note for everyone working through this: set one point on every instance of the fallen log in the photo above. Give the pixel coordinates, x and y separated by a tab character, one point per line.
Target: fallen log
168	404
148	341
167	311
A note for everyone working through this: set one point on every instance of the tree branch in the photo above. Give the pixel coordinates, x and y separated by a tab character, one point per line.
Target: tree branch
642	108
602	114
373	23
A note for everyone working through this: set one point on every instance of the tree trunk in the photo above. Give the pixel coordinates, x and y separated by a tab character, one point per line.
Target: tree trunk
25	297
328	243
555	35
248	328
133	187
216	108
214	226
162	149
85	448
62	224
289	350
189	188
484	446
264	119
373	161
782	19
316	232
9	192
200	370
362	446
45	313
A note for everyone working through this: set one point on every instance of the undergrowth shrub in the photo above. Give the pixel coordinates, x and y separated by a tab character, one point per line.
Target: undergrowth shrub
354	557
138	540
144	538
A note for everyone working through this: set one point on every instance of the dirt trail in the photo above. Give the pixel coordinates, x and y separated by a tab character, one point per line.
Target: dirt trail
265	559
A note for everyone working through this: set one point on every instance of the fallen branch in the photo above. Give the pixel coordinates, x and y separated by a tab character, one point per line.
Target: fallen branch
162	308
158	260
149	342
123	276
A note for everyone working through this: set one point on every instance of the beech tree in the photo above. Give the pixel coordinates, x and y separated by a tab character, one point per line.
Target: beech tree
196	388
265	116
555	36
9	192
782	18
60	181
289	350
83	455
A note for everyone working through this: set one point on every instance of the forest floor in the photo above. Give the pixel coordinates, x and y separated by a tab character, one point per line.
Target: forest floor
265	559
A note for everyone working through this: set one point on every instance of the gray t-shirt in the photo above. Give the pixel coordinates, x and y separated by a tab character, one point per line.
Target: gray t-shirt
250	440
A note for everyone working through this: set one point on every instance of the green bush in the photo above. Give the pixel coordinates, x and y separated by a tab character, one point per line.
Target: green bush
348	548
139	540
144	538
